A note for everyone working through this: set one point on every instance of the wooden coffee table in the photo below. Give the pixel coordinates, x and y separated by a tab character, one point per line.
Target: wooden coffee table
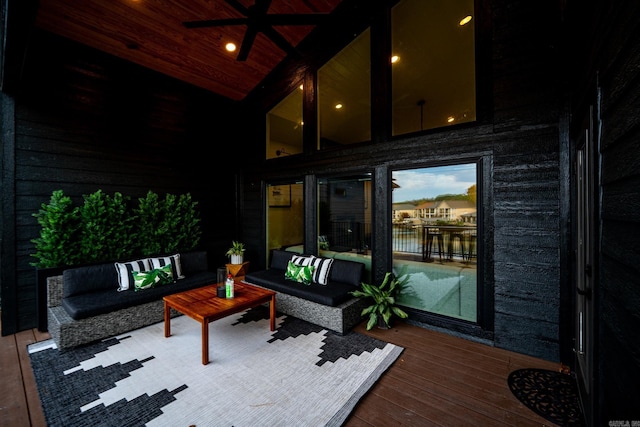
203	305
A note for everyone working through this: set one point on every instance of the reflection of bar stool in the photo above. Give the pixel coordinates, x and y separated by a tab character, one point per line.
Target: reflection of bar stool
439	240
472	246
452	238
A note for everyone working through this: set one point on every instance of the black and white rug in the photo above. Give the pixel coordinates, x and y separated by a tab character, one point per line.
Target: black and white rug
298	375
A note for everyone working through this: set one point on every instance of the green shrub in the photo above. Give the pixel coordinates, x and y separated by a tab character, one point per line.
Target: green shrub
109	227
59	233
169	225
106	228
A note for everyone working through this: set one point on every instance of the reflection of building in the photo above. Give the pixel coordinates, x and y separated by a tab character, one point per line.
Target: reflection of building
470	218
446	210
403	210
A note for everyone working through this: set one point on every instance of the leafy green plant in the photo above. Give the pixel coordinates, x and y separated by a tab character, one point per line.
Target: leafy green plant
167	225
383	300
59	232
106	228
237	248
184	221
109	227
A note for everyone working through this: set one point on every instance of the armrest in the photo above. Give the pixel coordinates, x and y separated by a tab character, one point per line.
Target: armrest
54	291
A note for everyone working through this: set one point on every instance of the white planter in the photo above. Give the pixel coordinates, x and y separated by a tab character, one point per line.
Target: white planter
236	259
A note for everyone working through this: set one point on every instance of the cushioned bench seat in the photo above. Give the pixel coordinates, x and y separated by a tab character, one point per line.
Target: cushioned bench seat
84	303
330	305
333	295
104	301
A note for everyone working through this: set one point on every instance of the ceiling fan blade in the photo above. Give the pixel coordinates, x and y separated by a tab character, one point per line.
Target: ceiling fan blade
247	42
296	19
215	22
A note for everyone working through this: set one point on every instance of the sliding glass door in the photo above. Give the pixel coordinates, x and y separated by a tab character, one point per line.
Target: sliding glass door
435	239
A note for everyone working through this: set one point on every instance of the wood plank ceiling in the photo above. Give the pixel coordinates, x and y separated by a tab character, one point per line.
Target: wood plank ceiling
151	33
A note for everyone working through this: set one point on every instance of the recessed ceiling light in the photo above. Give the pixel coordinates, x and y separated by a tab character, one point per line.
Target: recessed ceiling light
450	119
231	47
394	59
465	20
338	106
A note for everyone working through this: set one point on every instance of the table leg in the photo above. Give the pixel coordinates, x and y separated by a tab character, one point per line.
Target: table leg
205	342
167	320
272	312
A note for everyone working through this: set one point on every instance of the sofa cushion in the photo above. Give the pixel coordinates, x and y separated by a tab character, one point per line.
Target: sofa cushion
349	272
331	294
81	280
193	262
280	259
81	306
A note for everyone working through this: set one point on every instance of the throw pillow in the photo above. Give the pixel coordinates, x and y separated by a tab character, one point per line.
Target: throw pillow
152	278
302	260
125	270
173	260
299	273
322	266
321	269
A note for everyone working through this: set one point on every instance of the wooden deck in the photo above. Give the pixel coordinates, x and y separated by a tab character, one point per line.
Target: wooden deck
438	380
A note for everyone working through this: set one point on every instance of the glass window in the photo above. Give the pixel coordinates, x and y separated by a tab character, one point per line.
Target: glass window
344	96
284	126
344	219
433	64
435	239
285	215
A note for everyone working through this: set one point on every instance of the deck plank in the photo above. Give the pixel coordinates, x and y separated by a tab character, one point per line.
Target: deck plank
14	410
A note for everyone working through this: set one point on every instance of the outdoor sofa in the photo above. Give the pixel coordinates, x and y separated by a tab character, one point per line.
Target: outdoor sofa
89	303
329	305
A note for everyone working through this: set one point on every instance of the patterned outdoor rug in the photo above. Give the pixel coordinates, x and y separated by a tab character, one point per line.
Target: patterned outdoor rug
300	374
550	394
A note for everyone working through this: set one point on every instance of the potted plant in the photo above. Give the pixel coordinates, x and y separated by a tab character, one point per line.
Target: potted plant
383	298
236	252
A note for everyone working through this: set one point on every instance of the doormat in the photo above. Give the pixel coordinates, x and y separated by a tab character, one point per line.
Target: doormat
550	394
299	374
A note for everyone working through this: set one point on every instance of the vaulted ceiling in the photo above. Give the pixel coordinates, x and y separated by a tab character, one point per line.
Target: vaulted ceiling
152	33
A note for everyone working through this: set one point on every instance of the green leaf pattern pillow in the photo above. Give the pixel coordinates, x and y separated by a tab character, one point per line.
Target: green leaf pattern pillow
299	273
150	279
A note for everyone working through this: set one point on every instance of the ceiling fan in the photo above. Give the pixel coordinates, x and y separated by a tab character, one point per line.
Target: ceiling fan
258	20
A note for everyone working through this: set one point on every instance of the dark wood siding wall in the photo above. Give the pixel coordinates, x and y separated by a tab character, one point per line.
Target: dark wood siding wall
85	121
521	143
609	33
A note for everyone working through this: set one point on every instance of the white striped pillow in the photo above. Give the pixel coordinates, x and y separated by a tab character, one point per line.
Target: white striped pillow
174	260
125	269
322	267
302	260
